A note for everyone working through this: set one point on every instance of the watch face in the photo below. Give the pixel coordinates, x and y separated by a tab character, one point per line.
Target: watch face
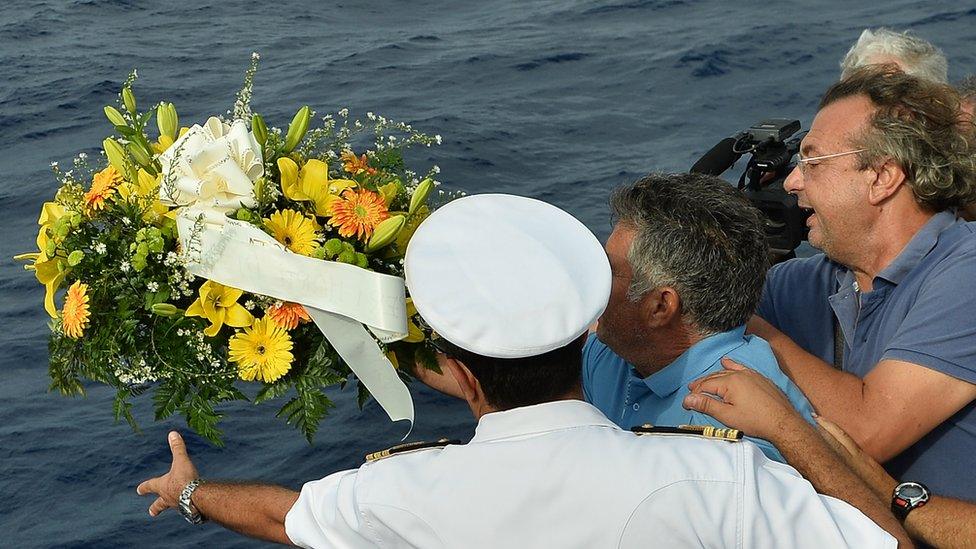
910	491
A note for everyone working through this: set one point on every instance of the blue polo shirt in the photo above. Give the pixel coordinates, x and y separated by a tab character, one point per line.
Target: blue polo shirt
921	309
617	389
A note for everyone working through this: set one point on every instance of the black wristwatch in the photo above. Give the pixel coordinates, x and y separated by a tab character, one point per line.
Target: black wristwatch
908	496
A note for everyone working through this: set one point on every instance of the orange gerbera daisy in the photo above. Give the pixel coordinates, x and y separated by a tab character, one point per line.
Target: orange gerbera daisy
74	316
358	213
356	164
103	186
288	315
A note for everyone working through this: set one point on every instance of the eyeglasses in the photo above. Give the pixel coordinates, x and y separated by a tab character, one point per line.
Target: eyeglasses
805	163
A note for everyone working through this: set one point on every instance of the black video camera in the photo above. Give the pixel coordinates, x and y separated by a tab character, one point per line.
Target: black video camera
772	143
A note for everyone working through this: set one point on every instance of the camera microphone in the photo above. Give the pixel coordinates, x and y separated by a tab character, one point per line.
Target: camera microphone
719	158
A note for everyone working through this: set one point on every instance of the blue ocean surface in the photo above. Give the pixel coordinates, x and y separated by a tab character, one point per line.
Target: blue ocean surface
557	100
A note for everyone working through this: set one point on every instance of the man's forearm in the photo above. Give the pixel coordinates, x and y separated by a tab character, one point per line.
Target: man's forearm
808	453
254	510
944	523
836	395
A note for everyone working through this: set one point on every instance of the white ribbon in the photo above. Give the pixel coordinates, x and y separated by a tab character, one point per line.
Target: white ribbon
210	171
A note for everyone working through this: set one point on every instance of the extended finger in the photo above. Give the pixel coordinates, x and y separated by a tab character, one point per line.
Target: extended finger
177	446
693	386
714	384
707	405
838	434
147	487
730	364
157	507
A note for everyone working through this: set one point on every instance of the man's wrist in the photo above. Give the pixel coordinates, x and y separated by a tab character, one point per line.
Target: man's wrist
190	511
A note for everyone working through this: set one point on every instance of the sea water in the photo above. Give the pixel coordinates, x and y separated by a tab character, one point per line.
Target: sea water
557	100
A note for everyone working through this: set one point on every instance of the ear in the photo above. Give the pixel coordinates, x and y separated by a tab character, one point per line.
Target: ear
888	180
469	385
660	307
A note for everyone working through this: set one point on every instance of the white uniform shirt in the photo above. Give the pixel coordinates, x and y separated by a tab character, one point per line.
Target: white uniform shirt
561	474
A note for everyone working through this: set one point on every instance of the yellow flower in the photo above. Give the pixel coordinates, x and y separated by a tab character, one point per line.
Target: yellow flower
414	333
358	213
356	165
145	193
262	352
74	316
218	304
297	232
311	183
49	271
103	186
288	315
165	141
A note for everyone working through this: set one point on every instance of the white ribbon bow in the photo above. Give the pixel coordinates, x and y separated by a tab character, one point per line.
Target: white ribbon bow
210	171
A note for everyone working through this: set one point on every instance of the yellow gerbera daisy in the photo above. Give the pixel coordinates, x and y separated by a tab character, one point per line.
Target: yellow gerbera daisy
74	316
358	213
103	186
297	232
262	352
288	315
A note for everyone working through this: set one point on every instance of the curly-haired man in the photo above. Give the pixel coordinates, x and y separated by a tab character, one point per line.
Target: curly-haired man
878	330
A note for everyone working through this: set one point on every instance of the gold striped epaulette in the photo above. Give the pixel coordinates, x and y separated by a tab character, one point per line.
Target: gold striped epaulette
707	431
409	447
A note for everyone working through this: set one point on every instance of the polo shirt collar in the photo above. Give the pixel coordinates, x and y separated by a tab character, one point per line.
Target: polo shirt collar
695	361
917	248
539	418
910	256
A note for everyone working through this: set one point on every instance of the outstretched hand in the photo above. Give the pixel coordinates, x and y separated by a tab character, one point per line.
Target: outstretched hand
169	486
749	401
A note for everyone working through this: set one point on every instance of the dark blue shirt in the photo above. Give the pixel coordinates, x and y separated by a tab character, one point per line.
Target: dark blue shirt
617	389
921	309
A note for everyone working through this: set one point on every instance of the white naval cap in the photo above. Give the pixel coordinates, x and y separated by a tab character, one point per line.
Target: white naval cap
506	276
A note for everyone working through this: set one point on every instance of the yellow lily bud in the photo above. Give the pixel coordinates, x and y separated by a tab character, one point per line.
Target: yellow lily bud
385	233
259	129
116	155
140	155
165	309
167	121
389	192
297	129
114	116
129	99
419	197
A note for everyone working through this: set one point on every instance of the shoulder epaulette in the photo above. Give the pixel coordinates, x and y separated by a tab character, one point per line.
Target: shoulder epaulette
409	447
707	431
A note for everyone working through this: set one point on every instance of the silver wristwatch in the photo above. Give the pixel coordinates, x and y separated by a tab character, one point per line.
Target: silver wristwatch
186	506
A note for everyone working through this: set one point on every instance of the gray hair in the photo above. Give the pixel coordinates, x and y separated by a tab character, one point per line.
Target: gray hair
967	88
698	235
916	56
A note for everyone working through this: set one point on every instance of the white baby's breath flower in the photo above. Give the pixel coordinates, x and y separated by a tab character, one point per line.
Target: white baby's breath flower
437	138
152	286
100	248
125	266
250	305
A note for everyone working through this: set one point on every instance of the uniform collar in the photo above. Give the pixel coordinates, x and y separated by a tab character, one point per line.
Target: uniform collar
539	418
695	361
